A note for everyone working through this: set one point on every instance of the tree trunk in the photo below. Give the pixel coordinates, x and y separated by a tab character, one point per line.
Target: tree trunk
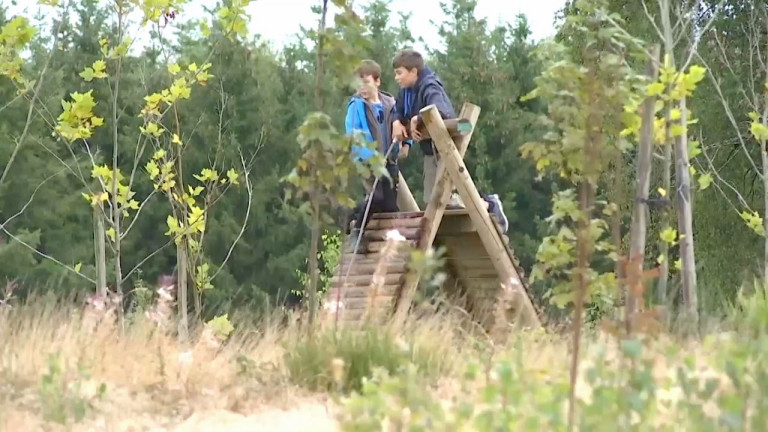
764	158
661	289
313	271
181	282
685	222
100	249
586	193
116	212
765	206
642	186
319	72
615	219
198	299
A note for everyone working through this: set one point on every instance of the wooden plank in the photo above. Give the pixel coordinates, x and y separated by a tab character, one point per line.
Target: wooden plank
405	200
378	224
356	317
379	246
396	267
480	272
451	158
397	215
360	291
373	259
380	302
381	234
363	280
455	225
433	215
457	127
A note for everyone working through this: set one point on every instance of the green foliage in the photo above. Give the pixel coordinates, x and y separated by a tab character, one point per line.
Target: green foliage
329	255
15	35
220	326
748	313
585	96
62	398
358	352
327	166
262	96
630	390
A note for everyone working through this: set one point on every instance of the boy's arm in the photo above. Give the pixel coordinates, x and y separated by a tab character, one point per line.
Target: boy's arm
400	107
349	120
435	95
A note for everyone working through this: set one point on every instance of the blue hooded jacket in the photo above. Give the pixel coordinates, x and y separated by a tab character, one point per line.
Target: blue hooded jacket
374	122
428	90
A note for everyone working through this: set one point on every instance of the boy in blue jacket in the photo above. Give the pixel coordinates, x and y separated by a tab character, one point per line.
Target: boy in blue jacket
419	88
372	112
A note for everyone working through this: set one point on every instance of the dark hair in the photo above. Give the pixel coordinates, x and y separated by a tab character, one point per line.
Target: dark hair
369	68
409	59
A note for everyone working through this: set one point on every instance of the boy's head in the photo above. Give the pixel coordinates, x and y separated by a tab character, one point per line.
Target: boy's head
407	65
369	73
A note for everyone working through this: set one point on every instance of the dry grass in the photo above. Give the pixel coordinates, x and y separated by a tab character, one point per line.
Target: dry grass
150	378
155	383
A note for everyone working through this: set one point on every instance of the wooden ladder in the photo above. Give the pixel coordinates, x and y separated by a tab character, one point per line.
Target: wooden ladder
370	283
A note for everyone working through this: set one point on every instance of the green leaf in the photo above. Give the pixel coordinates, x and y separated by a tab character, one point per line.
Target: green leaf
704	181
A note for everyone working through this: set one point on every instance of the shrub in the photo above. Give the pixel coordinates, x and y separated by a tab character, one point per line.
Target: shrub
309	361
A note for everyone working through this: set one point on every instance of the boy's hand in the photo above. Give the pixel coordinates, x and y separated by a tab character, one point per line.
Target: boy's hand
404	149
415	134
398	130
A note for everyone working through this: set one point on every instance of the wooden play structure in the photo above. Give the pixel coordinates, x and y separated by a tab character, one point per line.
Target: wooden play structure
479	262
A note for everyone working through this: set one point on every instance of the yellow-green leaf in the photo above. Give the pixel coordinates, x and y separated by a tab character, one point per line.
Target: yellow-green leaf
111	234
668	235
232	175
655	89
704	181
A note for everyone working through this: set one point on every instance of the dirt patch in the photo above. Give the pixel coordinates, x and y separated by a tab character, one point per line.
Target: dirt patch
313	415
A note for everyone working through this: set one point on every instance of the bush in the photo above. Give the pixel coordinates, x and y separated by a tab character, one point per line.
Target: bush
748	315
310	361
636	386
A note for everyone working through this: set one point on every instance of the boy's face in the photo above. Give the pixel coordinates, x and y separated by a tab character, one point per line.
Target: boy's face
406	77
368	86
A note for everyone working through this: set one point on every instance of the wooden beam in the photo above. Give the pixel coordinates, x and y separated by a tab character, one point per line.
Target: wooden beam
433	215
458	127
451	159
455	225
405	200
441	191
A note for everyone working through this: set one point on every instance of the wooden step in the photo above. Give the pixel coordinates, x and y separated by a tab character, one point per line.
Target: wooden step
362	303
357	268
365	280
398	215
381	234
376	247
355	317
387	224
360	291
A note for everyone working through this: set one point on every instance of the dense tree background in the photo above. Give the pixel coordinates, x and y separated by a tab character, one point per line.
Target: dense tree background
265	95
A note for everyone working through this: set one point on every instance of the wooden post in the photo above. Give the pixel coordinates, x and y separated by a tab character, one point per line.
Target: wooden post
457	127
405	200
642	187
433	214
490	237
